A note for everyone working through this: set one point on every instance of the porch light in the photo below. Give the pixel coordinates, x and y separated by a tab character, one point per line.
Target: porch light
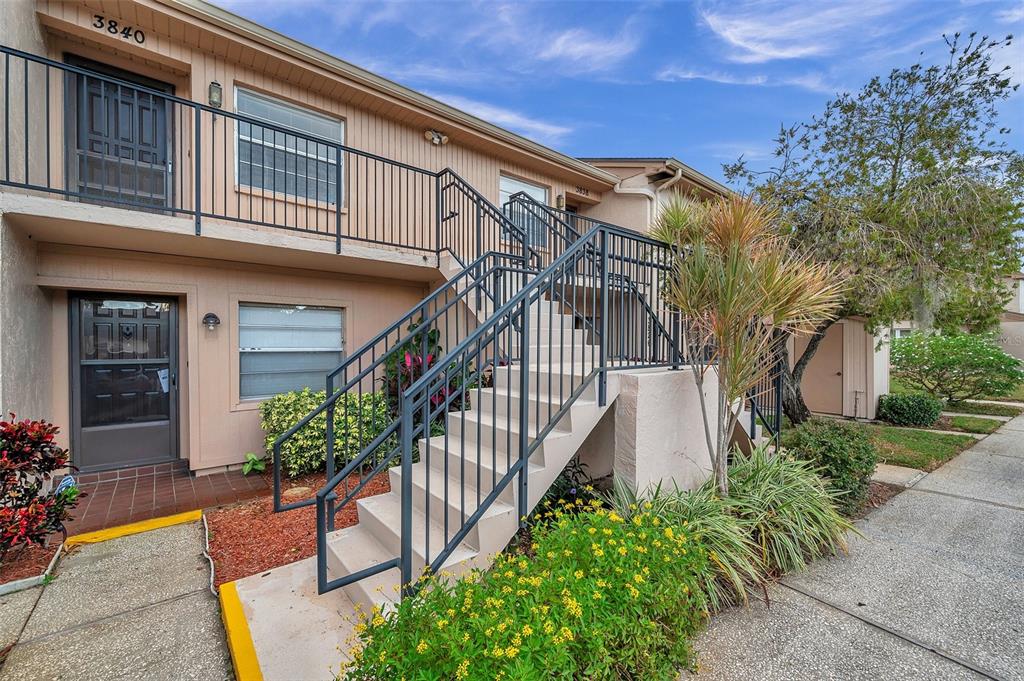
560	202
211	321
434	137
215	96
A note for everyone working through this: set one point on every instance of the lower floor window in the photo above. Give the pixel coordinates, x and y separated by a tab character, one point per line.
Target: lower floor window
287	347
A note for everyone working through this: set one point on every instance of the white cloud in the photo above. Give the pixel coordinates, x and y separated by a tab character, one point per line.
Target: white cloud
680	73
1013	15
759	31
815	82
582	49
541	131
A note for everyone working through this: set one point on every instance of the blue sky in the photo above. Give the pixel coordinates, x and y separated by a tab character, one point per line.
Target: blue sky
703	81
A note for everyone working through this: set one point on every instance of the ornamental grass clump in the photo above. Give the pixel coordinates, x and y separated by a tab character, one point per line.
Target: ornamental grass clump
787	508
601	597
733	559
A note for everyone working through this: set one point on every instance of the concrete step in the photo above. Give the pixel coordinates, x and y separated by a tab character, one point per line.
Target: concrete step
382	516
449	497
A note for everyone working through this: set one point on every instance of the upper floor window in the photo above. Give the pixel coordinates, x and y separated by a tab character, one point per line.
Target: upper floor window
287	347
535	227
297	164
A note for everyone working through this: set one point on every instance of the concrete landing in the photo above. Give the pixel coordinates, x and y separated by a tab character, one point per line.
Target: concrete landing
137	607
298	635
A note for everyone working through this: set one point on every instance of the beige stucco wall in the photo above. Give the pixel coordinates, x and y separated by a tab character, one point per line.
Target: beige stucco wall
25	375
217	428
1011	338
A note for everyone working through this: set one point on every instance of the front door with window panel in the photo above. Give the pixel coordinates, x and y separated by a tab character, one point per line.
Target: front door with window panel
124	363
121	151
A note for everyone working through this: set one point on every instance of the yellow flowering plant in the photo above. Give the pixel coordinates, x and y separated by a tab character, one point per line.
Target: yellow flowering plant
621	602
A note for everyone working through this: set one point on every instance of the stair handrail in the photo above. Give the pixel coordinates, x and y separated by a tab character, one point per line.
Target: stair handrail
485	207
473	279
416	396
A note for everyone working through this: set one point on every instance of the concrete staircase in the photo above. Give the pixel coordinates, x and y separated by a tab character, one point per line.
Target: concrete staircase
454	475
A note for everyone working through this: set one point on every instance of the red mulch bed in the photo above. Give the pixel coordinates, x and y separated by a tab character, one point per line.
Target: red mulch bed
31	561
248	537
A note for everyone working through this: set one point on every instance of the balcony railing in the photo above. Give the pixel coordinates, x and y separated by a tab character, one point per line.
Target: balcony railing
97	139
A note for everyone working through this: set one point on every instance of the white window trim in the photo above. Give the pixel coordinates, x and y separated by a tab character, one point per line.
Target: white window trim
239	349
339	201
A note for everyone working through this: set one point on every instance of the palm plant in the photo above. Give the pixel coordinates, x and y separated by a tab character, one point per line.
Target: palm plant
742	289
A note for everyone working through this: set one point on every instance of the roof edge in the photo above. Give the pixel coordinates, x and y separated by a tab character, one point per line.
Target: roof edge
689	172
267	36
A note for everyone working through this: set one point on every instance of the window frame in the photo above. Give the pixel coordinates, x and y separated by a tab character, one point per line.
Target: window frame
339	199
251	402
502	175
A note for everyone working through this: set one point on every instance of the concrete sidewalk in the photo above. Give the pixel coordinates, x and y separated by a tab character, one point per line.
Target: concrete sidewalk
137	607
935	590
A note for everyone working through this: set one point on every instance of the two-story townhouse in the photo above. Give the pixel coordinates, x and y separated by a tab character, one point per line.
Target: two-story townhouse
197	212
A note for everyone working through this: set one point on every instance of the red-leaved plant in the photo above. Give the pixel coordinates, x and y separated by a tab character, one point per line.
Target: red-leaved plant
28	457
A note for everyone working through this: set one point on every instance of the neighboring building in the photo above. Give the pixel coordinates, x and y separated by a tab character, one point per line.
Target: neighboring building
849	371
1011	322
197	212
645	185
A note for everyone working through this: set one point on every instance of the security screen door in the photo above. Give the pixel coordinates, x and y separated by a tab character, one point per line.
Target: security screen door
124	363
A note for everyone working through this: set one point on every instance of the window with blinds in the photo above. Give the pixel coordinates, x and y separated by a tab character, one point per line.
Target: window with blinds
296	165
287	347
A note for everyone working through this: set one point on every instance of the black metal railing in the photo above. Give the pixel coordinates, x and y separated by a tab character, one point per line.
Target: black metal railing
481	411
363	391
95	138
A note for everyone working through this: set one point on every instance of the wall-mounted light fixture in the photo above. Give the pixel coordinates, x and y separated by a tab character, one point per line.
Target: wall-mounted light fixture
560	202
434	137
215	95
211	321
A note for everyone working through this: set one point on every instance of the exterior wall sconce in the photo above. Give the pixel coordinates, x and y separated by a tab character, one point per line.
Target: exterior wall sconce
436	138
560	202
211	321
215	95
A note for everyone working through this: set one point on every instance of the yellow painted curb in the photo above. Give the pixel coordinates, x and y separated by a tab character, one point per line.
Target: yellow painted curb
134	528
243	652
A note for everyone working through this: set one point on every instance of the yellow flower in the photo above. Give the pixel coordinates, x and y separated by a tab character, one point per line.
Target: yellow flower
441	624
591	530
527	630
578	574
422	647
623	551
463	670
669	534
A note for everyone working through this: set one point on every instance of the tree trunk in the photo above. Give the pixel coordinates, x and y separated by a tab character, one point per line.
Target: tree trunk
793	404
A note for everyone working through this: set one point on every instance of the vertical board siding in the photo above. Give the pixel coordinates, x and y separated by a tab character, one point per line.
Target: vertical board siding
381	202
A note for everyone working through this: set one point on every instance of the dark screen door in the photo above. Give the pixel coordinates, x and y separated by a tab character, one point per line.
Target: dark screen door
124	364
122	138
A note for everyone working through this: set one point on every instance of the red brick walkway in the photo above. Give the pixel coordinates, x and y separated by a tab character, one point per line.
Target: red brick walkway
131	494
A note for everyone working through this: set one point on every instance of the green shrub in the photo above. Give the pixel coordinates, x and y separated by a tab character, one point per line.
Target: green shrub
909	409
358	419
601	598
842	452
733	558
955	367
786	507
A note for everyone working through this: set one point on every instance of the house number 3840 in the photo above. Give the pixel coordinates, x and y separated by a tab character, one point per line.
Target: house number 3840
114	27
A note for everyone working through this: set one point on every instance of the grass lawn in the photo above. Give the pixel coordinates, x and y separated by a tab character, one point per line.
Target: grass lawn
983	409
916	448
968	424
1016	396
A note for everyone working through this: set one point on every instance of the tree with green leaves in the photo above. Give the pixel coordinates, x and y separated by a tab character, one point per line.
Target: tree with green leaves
909	188
738	285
